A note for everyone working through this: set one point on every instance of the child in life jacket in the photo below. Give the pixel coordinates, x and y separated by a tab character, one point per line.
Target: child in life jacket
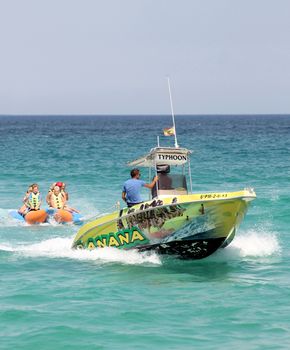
61	185
32	200
57	199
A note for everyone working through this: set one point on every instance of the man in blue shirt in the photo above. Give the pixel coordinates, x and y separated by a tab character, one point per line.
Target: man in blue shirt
132	188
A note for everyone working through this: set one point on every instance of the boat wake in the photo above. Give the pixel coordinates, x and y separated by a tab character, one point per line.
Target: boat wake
61	248
7	221
251	244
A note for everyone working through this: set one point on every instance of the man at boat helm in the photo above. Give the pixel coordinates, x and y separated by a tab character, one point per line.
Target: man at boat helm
132	188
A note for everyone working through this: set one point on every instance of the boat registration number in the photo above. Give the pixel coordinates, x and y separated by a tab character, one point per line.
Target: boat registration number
213	195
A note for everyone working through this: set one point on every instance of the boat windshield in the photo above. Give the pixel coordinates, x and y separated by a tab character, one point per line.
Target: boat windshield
170	184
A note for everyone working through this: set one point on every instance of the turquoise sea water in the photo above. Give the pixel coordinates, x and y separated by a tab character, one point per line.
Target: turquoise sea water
56	298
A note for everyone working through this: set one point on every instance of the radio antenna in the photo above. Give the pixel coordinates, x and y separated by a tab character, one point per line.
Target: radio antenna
172	113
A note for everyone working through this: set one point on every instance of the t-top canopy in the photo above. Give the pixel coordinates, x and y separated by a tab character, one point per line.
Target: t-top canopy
162	155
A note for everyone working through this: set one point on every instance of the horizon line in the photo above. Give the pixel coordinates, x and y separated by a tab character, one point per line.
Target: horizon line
143	115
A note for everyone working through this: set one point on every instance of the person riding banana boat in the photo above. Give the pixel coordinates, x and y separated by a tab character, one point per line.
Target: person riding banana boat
62	187
31	209
57	199
24	209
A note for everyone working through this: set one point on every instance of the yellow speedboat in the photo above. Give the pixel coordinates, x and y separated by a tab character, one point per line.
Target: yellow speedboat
173	221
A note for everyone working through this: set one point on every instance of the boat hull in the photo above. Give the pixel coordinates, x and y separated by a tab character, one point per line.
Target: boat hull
189	226
186	249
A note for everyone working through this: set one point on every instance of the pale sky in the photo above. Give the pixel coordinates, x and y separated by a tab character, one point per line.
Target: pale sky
112	57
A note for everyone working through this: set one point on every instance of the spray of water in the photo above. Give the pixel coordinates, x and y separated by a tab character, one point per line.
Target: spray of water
259	244
61	248
250	244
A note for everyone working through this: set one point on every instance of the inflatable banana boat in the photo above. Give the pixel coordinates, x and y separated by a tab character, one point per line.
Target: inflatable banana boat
64	216
43	215
32	217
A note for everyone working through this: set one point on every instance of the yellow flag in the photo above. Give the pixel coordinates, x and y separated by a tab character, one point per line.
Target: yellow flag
169	131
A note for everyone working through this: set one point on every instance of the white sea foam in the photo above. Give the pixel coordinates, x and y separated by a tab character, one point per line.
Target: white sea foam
257	244
7	221
252	244
6	248
61	248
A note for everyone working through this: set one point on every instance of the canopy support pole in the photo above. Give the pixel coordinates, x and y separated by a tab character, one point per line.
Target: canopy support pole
189	171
